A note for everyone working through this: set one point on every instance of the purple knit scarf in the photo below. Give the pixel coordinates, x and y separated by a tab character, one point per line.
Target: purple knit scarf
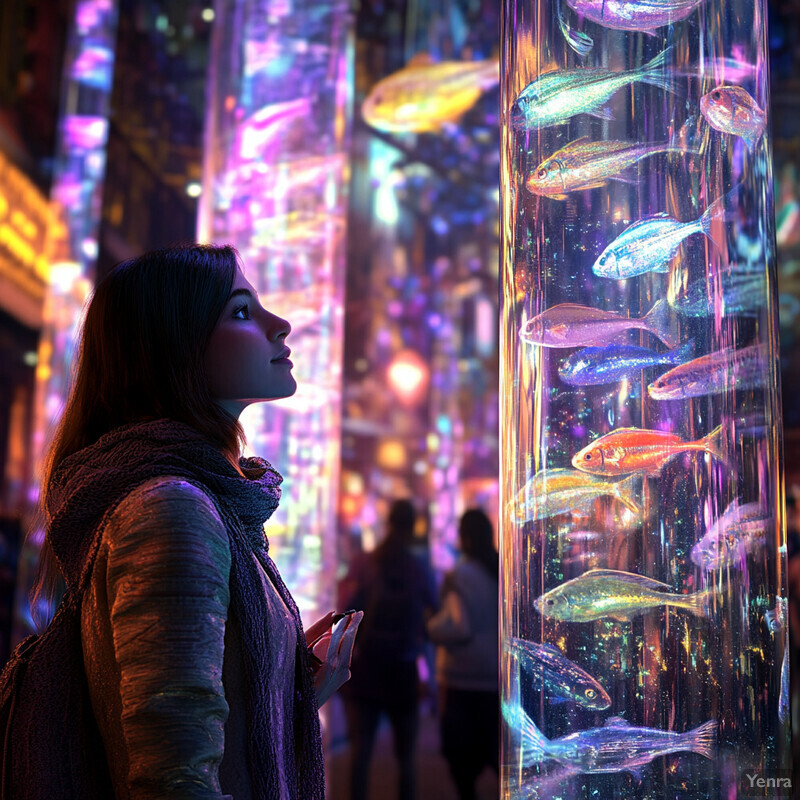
88	486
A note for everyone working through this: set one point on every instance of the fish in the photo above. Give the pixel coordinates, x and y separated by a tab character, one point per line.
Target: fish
642	451
732	109
574	325
558	95
741	530
614	747
736	292
634	15
601	593
583	164
558	491
651	243
594	366
549	669
716	372
424	95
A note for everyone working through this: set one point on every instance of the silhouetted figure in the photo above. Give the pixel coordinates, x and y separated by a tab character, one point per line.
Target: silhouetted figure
395	588
466	630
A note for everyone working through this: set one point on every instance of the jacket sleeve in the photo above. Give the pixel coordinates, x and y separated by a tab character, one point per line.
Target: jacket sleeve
167	586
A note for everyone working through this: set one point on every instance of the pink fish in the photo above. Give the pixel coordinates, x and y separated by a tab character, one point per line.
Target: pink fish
730	109
573	325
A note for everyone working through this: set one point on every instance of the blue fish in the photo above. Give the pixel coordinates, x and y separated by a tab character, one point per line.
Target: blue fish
737	292
594	366
549	669
616	747
651	243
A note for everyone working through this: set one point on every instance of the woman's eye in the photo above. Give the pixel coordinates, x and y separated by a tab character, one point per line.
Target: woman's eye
243	312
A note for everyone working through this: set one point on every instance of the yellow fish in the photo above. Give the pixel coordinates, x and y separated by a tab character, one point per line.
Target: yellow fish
424	95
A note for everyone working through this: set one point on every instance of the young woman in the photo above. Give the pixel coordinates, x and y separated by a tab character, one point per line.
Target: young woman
198	669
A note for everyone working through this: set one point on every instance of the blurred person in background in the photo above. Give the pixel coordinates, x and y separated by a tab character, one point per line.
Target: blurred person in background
396	589
467	671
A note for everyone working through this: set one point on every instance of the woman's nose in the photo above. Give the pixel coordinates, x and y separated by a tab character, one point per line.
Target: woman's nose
277	327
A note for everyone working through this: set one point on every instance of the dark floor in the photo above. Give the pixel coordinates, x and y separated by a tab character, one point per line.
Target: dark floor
434	779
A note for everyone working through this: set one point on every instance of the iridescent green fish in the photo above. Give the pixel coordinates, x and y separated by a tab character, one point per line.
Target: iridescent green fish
556	96
558	491
583	164
601	593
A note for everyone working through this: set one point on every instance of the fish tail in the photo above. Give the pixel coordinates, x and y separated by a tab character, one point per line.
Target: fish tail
662	324
625	492
716	444
698	603
703	739
680	355
653	72
532	742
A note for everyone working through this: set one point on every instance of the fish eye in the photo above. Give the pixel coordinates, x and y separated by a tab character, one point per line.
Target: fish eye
587	457
542	173
590	693
602	260
551	602
716	95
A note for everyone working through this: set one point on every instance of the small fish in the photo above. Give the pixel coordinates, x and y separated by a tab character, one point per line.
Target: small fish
583	164
716	372
741	530
554	97
424	95
594	366
736	292
651	243
615	747
573	325
601	593
638	450
731	109
558	491
634	15
549	669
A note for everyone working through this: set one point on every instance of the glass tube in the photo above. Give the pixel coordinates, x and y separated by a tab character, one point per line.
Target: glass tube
643	540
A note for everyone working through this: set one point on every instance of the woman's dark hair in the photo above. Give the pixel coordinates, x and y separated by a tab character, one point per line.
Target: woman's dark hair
476	538
141	350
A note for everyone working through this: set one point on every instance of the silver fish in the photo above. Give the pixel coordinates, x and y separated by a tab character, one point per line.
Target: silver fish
650	244
634	15
583	164
549	669
573	325
616	747
558	491
595	366
557	96
741	530
716	372
601	593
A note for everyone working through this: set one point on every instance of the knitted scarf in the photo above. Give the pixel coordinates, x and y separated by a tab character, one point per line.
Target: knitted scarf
87	487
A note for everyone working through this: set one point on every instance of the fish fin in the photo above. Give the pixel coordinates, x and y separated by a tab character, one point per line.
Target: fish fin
719	212
624	491
602	113
703	739
660	322
698	603
630	577
615	722
620	617
532	741
420	60
597	185
682	354
715	443
559	331
653	72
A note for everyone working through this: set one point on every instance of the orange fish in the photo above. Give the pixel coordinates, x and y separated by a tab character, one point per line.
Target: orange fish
644	451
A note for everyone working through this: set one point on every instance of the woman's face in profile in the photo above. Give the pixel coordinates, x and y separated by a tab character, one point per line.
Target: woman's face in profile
247	360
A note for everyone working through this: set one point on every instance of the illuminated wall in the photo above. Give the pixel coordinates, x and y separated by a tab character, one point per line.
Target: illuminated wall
274	186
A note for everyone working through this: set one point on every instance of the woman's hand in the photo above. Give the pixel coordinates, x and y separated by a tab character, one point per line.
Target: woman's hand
334	648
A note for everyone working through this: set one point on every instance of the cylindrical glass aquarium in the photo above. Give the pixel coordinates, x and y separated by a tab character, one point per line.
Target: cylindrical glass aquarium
643	540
